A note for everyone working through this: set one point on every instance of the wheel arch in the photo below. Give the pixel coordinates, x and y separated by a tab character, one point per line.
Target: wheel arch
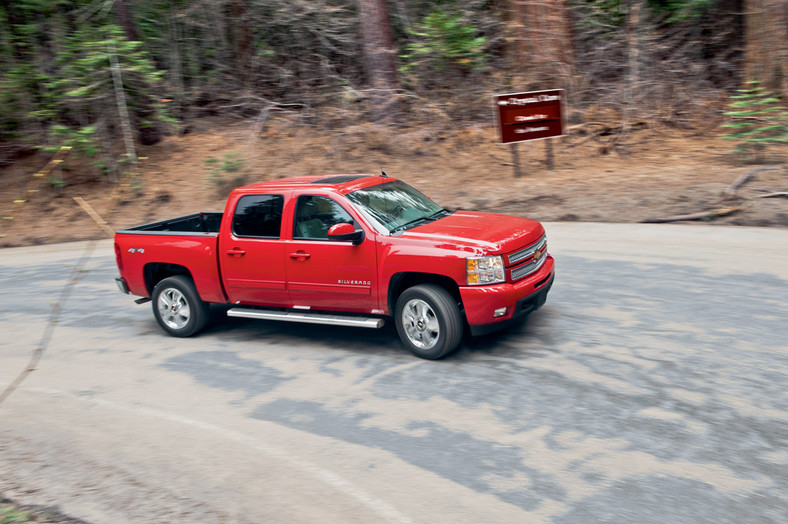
155	272
401	281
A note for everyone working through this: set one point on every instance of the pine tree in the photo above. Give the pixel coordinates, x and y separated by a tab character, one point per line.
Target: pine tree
758	121
81	105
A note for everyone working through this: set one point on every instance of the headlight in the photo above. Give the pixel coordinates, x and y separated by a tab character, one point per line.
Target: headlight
485	270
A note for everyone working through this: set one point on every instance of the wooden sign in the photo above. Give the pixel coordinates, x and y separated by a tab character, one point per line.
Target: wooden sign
529	116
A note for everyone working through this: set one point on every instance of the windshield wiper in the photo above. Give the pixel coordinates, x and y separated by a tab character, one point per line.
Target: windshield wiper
410	223
429	218
443	211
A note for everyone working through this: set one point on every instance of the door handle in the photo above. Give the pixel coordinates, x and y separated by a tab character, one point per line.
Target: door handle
235	252
300	254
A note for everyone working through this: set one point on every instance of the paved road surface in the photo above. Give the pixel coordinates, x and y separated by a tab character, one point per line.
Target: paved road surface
652	387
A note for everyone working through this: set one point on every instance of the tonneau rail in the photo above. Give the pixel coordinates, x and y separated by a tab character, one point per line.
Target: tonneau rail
196	224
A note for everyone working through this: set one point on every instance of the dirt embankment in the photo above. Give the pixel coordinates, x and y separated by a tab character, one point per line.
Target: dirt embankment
651	173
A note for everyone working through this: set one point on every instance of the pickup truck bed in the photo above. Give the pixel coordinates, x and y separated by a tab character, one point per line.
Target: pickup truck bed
189	242
194	223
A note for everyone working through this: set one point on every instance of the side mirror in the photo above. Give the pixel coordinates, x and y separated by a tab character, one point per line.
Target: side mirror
346	233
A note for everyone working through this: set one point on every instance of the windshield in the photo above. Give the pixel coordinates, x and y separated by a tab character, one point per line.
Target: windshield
395	206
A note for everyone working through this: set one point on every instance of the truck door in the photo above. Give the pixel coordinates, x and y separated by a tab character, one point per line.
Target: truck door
252	254
327	274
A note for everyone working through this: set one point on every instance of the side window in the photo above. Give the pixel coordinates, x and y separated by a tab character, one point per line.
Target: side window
258	216
315	215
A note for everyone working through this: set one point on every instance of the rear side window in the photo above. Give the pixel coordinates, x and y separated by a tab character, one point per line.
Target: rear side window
258	216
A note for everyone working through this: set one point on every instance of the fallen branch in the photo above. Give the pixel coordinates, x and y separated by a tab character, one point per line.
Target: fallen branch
603	129
580	128
746	177
775	195
694	216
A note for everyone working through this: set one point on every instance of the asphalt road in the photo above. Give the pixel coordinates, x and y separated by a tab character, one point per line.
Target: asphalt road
652	387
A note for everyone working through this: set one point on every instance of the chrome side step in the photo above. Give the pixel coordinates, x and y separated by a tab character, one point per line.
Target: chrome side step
310	318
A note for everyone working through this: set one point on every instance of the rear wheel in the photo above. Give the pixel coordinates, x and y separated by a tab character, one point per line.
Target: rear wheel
428	321
178	308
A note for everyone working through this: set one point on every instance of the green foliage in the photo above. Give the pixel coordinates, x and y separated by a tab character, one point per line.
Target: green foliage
279	48
55	70
610	14
56	182
219	169
56	82
85	84
11	515
82	140
12	115
604	14
442	42
80	104
757	120
679	10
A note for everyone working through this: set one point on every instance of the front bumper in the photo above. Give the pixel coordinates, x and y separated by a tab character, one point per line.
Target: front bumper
518	299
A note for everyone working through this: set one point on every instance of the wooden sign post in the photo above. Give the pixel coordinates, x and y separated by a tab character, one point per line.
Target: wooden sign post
530	116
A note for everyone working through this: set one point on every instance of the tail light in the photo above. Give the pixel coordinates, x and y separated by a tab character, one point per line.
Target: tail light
118	258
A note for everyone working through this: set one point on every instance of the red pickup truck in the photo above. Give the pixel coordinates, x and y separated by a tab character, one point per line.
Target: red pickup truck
344	250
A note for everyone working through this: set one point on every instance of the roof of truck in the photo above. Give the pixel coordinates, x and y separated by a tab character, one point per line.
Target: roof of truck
342	183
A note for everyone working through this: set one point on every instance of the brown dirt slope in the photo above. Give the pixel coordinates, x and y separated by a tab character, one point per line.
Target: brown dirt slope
649	173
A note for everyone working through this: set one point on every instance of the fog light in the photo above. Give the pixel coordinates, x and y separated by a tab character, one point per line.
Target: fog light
501	311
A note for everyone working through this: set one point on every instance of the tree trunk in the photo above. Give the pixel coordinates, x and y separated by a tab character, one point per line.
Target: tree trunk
239	37
380	63
123	15
541	43
15	18
633	44
766	47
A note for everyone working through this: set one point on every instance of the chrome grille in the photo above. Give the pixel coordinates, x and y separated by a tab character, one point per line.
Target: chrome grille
527	269
527	252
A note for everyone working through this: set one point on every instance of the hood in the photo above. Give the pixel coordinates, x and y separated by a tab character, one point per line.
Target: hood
489	231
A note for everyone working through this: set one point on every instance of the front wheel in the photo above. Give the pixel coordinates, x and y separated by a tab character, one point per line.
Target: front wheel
178	308
428	321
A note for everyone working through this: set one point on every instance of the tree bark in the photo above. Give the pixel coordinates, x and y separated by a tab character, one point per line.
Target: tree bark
766	48
380	56
123	16
239	36
541	39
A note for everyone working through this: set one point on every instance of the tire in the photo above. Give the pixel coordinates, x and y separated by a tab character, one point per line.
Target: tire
178	308
428	321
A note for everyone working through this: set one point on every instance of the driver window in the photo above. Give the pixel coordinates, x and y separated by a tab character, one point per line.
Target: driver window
315	215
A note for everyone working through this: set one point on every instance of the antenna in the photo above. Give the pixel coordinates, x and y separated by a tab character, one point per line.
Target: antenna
383	174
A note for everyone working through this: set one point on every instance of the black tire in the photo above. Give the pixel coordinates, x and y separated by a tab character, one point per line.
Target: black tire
428	321
178	308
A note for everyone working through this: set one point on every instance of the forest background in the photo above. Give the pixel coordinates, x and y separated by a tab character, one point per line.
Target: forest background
151	107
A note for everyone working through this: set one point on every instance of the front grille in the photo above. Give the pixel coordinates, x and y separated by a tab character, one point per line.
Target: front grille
527	269
527	252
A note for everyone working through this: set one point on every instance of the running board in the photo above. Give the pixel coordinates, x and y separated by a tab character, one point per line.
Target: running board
310	318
